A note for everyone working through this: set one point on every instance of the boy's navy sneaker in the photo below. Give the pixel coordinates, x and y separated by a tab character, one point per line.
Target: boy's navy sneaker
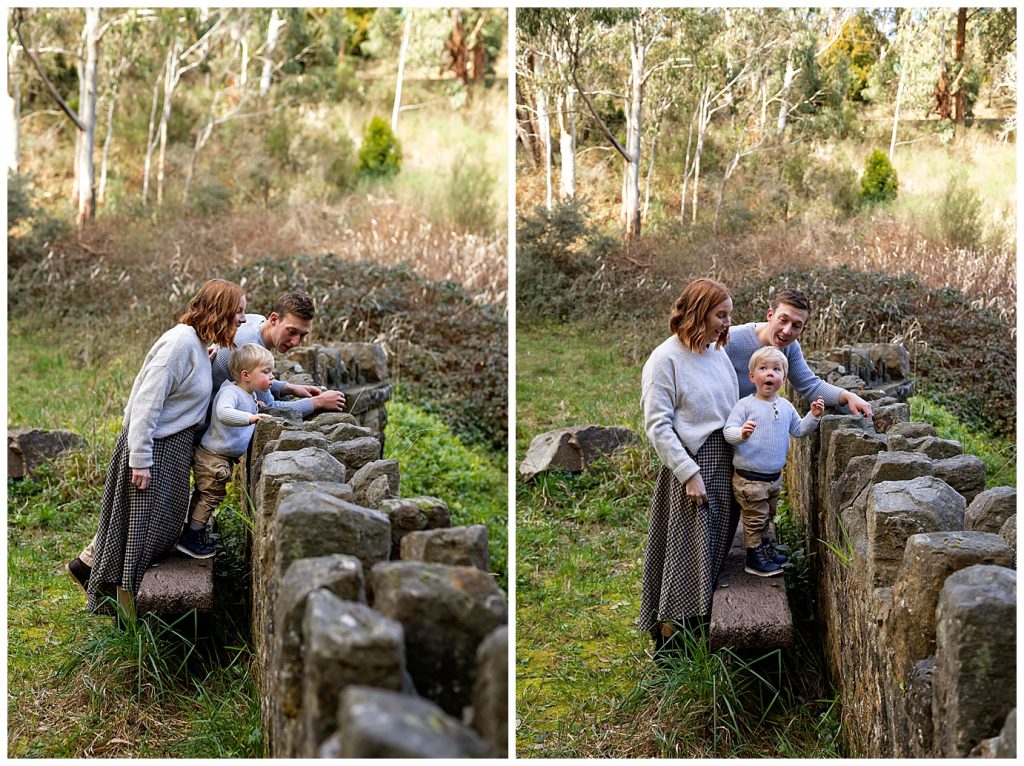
80	571
193	543
774	554
759	563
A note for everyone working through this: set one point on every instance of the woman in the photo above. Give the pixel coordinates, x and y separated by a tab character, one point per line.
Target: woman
145	498
689	388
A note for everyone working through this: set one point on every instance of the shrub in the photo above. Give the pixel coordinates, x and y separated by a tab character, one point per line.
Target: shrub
959	215
277	143
342	171
381	154
469	195
878	183
31	231
211	197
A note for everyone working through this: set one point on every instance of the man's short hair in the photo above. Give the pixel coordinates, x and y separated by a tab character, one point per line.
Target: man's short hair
796	298
248	358
772	353
296	303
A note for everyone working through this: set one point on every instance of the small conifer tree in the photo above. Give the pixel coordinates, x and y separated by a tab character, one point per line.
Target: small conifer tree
878	183
381	153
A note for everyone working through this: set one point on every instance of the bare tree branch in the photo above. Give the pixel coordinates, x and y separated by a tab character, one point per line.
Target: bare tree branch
46	81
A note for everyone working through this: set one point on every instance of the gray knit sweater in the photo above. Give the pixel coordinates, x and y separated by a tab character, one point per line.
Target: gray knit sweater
250	332
743	343
685	397
230	431
170	393
765	450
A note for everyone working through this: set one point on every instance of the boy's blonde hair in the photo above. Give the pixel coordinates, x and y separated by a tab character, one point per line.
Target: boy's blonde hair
772	353
248	358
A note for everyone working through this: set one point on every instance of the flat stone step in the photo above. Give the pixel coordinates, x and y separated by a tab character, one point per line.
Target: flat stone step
749	612
176	585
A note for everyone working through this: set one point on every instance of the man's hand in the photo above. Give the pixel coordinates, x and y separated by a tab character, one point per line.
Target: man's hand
818	407
857	405
329	401
747	429
140	478
303	392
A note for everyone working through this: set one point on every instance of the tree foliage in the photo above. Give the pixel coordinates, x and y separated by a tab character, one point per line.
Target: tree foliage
878	184
380	155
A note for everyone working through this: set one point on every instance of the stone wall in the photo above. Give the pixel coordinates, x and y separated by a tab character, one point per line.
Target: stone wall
378	630
915	566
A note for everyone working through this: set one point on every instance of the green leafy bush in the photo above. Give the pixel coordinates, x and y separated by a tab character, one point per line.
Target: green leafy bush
380	155
879	183
436	463
959	215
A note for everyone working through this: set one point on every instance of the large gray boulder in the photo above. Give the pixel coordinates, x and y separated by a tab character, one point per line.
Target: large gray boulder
446	612
459	546
964	473
309	464
573	448
28	449
355	453
413	514
898	509
991	508
375	482
344	644
976	657
490	692
375	723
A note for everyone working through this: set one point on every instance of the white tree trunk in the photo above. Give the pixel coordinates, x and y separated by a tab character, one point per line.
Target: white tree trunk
151	135
703	121
273	29
567	130
634	125
686	171
787	81
170	81
543	124
647	183
896	113
403	51
101	194
12	110
87	114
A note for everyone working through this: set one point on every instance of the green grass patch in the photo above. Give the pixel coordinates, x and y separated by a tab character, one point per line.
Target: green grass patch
999	455
435	462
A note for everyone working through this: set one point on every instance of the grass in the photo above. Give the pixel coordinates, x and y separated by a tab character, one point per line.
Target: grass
586	686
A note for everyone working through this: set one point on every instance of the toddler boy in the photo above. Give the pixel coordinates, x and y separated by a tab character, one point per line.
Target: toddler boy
759	426
232	423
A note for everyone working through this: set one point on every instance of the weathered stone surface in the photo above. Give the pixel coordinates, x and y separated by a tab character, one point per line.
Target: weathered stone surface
363	479
990	509
333	488
310	464
927	561
310	524
323	420
932	446
341	575
28	449
964	473
1009	533
1006	745
844	445
850	382
377	492
343	432
573	448
296	440
490	692
446	612
344	644
375	723
175	585
290	416
898	509
355	453
853	480
366	362
459	546
413	514
916	729
748	612
911	430
976	659
888	415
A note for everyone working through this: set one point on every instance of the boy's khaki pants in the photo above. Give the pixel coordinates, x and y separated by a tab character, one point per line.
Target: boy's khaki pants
757	500
212	474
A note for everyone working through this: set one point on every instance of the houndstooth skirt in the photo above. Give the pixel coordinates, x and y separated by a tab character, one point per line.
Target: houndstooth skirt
137	527
686	545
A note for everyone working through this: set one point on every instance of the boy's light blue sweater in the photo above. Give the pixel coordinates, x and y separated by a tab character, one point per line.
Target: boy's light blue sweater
765	450
230	431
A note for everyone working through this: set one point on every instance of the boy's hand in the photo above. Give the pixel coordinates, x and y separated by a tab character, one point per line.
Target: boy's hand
261	405
212	351
747	429
818	407
257	418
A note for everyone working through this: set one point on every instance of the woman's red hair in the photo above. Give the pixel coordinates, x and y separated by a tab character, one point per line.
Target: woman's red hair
691	309
211	313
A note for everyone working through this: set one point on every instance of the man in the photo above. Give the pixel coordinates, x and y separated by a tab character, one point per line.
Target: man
786	321
286	327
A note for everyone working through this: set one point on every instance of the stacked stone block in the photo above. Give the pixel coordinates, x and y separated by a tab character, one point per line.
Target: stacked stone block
916	578
368	643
